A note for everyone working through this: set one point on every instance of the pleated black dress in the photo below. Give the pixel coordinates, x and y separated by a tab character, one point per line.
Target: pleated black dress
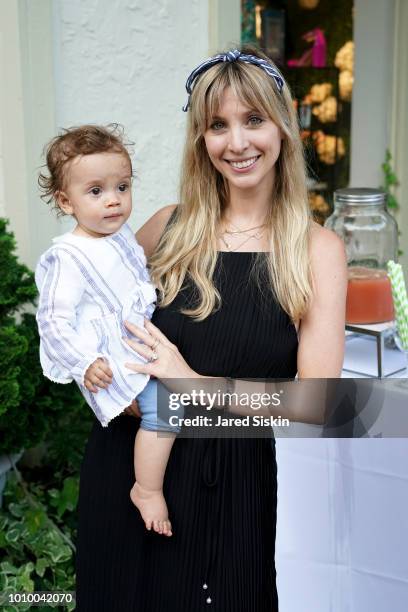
221	493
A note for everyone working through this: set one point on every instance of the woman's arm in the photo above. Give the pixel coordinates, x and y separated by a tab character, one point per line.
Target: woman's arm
150	233
321	332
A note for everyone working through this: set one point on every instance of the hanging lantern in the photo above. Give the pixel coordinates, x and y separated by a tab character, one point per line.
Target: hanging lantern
308	4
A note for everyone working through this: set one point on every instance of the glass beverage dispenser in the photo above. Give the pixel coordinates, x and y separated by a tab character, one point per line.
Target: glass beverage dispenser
370	235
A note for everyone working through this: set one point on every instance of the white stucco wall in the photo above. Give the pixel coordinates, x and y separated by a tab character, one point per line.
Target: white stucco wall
126	61
68	62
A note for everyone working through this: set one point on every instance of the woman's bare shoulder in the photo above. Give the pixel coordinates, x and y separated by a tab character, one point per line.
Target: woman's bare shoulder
150	233
325	246
328	262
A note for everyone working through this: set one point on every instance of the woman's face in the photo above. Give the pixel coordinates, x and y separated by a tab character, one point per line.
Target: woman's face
243	145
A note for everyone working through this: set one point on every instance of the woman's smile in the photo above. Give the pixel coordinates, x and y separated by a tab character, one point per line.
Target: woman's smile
243	165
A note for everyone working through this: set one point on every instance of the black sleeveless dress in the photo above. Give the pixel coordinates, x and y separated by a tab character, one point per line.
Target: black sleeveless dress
221	493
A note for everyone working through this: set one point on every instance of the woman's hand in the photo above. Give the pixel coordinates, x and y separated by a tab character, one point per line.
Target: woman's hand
164	358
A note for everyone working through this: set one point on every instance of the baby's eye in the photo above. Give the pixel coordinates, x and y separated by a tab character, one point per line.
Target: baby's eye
123	187
254	120
96	191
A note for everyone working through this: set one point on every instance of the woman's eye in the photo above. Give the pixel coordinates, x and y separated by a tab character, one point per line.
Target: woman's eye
123	187
255	120
95	191
217	125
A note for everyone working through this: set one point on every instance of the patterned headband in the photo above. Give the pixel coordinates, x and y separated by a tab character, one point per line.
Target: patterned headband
233	56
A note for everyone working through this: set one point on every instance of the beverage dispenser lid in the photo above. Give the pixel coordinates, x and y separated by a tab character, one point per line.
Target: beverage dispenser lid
360	195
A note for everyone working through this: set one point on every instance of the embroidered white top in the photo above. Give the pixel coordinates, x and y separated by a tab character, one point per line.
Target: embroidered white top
88	287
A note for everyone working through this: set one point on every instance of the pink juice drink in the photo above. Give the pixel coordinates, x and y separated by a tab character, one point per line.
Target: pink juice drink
369	297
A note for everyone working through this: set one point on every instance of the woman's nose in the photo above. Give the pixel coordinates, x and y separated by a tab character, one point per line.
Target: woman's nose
238	140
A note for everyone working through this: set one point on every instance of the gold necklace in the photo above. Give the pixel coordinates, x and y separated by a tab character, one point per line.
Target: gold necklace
257	236
244	231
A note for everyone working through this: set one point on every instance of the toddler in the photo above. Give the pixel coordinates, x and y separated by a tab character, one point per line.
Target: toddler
92	280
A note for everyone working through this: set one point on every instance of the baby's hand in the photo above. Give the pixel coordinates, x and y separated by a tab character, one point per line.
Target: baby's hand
98	374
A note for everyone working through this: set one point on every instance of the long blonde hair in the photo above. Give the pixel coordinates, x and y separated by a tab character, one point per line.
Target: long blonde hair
188	247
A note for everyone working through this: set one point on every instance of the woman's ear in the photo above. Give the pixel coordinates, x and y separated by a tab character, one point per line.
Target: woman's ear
64	203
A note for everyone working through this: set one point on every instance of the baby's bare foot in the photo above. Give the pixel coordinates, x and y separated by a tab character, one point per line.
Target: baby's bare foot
153	508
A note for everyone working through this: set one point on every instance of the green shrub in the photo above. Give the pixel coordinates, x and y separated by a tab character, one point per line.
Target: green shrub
38	518
30	404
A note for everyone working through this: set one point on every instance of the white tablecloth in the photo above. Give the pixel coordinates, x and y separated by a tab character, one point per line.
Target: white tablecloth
342	537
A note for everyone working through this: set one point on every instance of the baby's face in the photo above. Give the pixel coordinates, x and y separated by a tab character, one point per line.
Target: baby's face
98	193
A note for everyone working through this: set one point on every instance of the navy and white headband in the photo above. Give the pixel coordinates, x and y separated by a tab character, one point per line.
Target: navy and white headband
232	56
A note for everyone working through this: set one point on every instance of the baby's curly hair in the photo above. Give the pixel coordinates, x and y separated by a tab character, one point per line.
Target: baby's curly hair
74	141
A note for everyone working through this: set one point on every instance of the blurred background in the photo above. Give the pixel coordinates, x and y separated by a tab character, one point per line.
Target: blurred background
342	506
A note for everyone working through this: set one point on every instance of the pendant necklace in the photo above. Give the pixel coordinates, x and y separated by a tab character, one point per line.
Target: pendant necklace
257	235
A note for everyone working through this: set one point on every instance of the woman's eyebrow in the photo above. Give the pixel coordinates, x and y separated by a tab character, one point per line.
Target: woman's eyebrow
245	113
254	111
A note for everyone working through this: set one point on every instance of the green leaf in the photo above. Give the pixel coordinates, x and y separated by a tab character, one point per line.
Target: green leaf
36	519
16	510
13	535
392	202
8	568
67	498
41	565
55	554
24	577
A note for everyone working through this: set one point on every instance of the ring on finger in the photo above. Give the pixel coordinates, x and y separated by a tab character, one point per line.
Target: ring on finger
153	356
155	344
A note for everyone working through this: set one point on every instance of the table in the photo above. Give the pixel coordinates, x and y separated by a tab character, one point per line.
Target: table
343	523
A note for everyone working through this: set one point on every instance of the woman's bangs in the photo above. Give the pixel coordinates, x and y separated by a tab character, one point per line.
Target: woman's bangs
251	86
214	96
264	100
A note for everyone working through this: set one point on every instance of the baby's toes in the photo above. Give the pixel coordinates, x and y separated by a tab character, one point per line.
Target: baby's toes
148	524
156	526
167	528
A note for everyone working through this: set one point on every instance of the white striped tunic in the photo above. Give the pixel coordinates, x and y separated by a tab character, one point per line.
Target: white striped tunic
88	288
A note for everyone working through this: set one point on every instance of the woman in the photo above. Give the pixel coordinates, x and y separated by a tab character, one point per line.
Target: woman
249	288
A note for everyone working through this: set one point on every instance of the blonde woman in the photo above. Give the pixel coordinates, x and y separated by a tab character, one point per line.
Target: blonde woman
249	288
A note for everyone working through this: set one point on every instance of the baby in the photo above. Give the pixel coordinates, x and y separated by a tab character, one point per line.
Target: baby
92	280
